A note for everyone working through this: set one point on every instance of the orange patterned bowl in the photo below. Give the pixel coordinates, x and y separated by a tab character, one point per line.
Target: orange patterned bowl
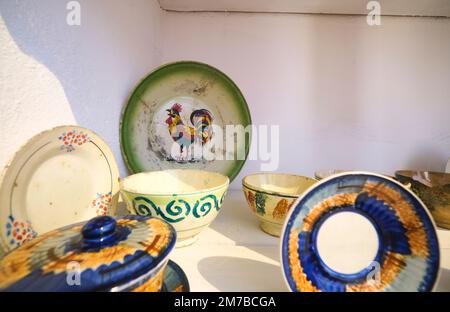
270	195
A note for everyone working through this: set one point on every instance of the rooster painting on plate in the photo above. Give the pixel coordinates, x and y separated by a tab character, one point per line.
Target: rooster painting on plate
184	135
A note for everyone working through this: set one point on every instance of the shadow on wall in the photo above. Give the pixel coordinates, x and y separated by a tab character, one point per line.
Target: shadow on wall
99	62
335	89
366	109
226	272
425	159
347	95
32	99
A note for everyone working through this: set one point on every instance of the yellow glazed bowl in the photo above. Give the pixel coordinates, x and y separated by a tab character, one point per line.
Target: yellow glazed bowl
271	195
188	199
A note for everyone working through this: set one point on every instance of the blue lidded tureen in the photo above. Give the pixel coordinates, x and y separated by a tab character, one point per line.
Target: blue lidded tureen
128	253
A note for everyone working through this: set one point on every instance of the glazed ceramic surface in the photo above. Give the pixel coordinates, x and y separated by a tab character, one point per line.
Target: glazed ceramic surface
61	176
175	280
188	199
105	254
178	111
434	189
271	195
359	232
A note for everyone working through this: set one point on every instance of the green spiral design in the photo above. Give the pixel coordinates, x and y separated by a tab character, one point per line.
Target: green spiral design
171	209
203	206
178	209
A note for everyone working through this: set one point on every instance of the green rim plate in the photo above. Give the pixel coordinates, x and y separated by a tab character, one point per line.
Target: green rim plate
153	140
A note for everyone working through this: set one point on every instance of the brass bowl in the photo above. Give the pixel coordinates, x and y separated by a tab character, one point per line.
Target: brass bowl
433	188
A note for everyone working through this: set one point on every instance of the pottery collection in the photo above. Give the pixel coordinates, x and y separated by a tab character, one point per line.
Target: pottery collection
60	191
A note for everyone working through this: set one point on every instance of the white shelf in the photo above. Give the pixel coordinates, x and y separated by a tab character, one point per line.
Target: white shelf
357	7
235	255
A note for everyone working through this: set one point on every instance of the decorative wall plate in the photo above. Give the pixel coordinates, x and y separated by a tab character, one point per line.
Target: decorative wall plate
61	176
359	232
176	118
175	280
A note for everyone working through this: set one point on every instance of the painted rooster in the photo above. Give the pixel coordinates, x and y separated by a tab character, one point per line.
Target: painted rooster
185	135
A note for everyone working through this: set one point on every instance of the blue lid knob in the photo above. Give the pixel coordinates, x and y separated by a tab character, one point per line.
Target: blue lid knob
100	231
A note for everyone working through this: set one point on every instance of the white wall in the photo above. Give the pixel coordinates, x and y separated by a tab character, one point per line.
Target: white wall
97	64
26	110
345	95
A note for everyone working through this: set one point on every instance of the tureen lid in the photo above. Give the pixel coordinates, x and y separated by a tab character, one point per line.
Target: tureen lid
97	255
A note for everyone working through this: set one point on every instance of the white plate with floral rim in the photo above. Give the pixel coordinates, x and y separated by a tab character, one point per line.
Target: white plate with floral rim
61	176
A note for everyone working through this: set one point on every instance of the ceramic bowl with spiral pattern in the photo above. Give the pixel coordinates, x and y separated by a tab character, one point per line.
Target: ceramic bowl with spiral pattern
188	199
359	231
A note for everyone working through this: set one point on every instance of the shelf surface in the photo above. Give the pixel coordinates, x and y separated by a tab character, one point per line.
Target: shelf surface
233	254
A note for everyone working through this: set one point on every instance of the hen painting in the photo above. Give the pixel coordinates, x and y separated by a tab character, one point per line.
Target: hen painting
185	135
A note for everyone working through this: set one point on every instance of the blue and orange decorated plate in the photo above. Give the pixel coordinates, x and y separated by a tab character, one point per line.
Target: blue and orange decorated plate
128	253
359	231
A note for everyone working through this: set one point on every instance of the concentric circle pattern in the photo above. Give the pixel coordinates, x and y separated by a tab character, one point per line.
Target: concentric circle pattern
408	252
